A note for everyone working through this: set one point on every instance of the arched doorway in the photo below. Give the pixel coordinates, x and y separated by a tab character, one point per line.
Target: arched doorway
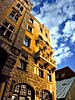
23	92
45	95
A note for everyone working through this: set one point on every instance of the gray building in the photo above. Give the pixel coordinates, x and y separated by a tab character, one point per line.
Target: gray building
66	89
65	84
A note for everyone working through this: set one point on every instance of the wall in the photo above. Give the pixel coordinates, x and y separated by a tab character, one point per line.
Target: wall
71	93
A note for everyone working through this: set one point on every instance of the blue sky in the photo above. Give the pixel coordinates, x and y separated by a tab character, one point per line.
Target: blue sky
59	17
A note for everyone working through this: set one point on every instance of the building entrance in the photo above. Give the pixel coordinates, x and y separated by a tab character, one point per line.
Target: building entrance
23	92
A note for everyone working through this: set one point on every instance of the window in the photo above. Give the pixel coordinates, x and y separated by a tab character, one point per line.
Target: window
27	42
47	43
35	70
62	75
57	76
14	15
37	42
24	54
41	30
45	95
35	60
19	7
46	35
40	71
45	48
49	75
53	70
40	37
23	65
40	66
17	88
31	20
6	30
26	1
24	92
47	56
29	29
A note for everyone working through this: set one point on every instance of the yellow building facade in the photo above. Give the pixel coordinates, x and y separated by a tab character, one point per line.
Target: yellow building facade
28	69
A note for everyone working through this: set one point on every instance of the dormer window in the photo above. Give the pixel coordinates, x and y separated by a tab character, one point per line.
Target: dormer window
62	75
57	76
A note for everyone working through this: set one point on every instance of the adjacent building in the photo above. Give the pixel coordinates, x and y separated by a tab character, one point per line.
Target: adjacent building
65	84
27	68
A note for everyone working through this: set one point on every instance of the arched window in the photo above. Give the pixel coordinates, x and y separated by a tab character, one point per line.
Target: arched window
45	95
23	92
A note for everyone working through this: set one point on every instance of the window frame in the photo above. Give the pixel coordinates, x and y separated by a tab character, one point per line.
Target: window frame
24	91
31	20
8	28
41	30
49	76
20	6
29	28
27	42
41	73
14	15
23	65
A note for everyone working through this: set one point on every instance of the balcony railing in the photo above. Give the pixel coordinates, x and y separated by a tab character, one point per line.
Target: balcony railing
43	58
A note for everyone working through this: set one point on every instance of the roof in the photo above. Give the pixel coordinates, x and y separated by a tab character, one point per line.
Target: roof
63	73
62	69
63	87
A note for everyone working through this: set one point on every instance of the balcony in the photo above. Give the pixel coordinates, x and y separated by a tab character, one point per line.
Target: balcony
42	43
44	59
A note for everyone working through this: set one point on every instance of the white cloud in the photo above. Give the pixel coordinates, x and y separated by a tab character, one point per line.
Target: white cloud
35	2
69	27
52	15
73	38
55	36
62	53
69	31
